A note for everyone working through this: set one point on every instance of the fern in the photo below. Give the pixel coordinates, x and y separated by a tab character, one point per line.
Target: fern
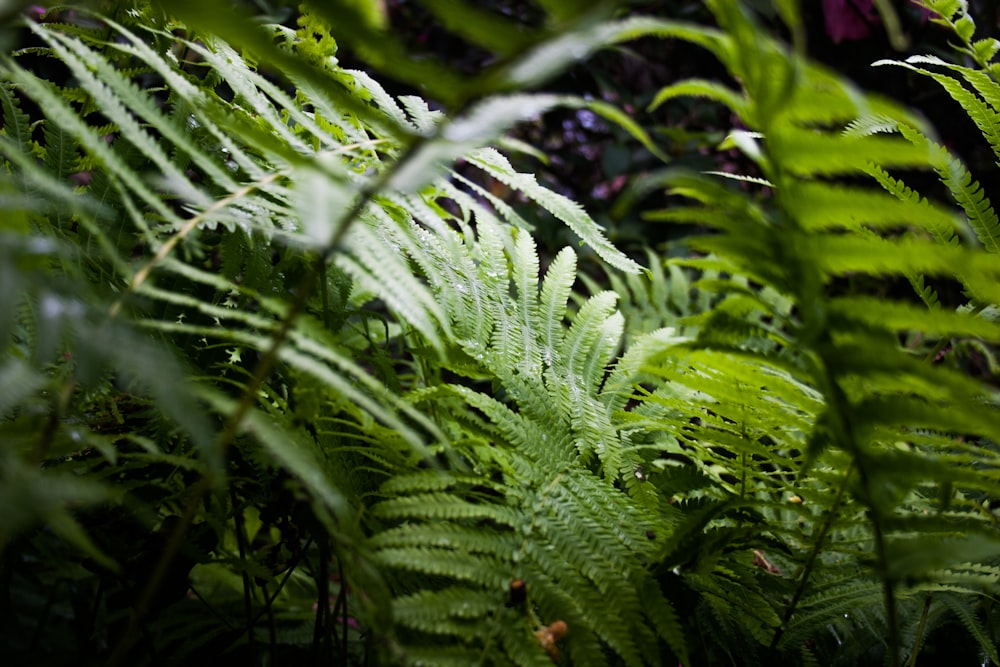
325	378
796	246
553	376
327	194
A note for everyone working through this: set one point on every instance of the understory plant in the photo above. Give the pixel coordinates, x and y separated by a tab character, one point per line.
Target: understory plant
838	410
284	380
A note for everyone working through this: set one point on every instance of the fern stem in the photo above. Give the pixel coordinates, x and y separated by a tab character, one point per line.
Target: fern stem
342	605
888	588
272	628
919	639
810	563
322	600
288	575
122	649
241	543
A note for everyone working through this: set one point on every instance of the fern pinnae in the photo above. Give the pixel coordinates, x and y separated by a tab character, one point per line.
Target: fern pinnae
42	191
118	98
563	209
556	288
61	156
985	118
502	208
807	153
223	58
422	117
16	123
569	385
965	613
980	81
972	198
517	430
376	398
60	112
964	190
452	564
445	259
181	89
375	265
525	277
289	110
424	609
445	506
901	317
870	124
613	629
699	88
583	335
820	207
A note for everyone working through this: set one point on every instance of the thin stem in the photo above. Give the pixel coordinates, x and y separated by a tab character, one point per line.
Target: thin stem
241	542
343	613
322	600
212	610
919	639
136	622
272	629
888	589
284	580
831	515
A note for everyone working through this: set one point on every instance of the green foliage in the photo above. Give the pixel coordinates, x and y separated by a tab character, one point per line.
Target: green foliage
833	412
284	379
267	271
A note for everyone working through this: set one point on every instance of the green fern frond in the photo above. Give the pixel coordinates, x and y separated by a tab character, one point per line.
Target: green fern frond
967	616
563	209
820	206
973	200
16	123
809	153
985	118
553	300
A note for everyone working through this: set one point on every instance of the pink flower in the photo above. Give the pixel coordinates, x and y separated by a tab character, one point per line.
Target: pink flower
849	19
854	19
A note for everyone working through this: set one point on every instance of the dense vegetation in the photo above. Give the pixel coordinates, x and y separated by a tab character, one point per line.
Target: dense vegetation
286	375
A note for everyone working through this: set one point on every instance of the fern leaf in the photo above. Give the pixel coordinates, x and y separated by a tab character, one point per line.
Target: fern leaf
985	118
820	206
556	288
16	123
901	317
966	616
525	277
423	610
698	88
562	208
818	154
972	198
59	112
